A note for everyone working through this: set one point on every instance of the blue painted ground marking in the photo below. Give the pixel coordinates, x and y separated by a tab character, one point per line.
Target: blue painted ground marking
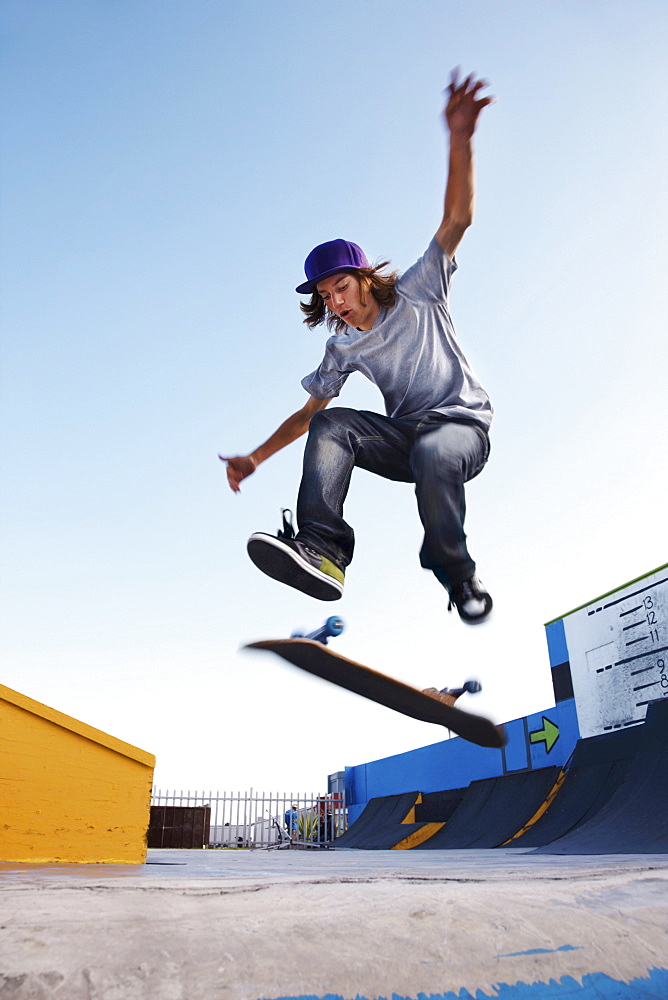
541	951
595	986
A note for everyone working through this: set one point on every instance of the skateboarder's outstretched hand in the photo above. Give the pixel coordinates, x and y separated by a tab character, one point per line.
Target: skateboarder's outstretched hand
242	466
464	105
238	468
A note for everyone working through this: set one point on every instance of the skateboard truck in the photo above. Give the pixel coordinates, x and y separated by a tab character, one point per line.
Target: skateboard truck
450	695
468	687
333	626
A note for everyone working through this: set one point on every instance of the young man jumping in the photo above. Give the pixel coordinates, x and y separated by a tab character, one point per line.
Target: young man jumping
398	332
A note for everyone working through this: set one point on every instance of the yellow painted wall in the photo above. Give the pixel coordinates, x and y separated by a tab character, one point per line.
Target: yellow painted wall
69	792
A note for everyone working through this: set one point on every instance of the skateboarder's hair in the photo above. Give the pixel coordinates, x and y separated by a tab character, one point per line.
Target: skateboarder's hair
370	279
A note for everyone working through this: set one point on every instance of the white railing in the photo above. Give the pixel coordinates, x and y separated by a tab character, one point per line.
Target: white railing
258	819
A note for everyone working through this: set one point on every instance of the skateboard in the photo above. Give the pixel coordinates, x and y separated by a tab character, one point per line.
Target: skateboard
310	653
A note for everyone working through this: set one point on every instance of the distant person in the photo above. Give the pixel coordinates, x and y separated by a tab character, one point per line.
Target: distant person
291	821
325	822
397	331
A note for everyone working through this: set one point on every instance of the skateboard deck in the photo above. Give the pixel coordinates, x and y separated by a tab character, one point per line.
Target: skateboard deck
318	659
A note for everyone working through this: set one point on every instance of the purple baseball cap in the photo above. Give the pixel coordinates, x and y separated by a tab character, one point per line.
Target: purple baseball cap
330	258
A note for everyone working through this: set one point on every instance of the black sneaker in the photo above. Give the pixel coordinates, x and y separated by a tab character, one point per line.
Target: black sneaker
298	565
472	601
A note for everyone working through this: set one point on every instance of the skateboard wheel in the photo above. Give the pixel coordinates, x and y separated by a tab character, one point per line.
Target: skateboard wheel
473	687
334	625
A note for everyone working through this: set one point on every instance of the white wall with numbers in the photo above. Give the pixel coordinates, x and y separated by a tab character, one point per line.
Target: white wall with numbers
618	652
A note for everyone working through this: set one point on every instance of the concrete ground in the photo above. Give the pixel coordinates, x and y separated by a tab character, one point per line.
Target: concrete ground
260	925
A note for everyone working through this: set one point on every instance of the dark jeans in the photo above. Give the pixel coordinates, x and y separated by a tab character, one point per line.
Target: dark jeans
437	454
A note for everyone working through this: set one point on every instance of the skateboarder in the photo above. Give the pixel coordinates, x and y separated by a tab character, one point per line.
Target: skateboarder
397	331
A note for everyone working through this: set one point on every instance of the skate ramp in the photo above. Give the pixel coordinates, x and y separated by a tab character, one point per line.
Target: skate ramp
610	798
382	824
599	766
493	810
634	819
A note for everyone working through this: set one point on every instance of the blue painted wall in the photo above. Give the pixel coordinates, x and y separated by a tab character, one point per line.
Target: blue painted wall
556	642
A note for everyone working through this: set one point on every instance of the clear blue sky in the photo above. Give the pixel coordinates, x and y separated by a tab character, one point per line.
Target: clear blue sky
166	166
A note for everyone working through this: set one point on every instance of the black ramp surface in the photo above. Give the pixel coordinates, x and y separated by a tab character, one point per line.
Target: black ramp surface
633	821
385	837
635	818
380	826
438	807
598	767
458	829
493	810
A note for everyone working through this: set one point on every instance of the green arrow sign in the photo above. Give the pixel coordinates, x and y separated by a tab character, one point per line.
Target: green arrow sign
548	735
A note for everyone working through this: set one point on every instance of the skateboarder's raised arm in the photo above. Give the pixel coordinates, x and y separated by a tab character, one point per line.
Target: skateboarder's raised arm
461	115
242	466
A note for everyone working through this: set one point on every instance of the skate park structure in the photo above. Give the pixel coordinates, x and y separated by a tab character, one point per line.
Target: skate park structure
70	793
588	776
569	902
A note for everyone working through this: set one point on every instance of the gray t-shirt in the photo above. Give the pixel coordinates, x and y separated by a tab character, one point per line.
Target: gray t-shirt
411	352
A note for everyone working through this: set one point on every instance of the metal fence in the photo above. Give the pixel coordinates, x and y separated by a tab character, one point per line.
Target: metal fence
255	819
